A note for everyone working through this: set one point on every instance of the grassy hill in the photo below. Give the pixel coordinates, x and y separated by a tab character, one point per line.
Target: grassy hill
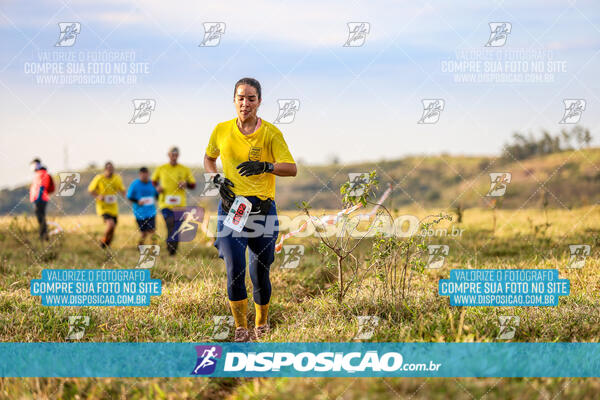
561	180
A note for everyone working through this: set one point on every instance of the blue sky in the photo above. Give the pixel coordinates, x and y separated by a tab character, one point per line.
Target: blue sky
358	103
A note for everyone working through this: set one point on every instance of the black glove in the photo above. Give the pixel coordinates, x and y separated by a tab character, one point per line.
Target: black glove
224	186
248	168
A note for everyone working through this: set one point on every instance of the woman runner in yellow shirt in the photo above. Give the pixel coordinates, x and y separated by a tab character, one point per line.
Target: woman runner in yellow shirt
252	152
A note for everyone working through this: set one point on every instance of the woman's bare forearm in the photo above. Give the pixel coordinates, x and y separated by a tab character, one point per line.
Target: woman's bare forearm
210	164
285	169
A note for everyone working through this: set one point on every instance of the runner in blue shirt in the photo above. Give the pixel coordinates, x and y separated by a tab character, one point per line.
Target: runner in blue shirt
143	195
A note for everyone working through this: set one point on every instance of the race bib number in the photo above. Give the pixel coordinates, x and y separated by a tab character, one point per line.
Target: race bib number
238	214
173	200
146	201
110	198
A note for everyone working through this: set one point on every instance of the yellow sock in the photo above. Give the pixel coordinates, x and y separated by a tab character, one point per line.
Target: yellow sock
239	309
261	313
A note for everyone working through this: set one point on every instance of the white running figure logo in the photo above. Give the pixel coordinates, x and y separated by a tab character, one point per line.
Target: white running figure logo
207	354
188	224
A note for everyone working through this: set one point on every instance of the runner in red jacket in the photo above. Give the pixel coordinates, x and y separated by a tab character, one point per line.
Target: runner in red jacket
39	194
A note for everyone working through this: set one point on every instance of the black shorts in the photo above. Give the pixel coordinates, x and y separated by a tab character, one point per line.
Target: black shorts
147	224
108	216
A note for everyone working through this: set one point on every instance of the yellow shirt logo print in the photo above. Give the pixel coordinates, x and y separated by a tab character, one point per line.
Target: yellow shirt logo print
254	154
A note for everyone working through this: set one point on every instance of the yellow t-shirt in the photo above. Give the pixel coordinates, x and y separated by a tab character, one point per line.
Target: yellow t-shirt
265	144
168	177
108	187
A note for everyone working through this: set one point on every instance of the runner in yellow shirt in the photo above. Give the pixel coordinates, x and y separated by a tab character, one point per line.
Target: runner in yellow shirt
171	180
252	152
105	187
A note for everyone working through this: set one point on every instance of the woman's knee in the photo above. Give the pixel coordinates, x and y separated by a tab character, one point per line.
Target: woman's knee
267	257
260	274
235	265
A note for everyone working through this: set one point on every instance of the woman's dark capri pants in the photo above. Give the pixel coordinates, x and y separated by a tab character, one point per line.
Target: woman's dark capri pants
260	236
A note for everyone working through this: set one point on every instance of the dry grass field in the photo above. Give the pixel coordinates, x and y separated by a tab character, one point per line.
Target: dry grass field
304	306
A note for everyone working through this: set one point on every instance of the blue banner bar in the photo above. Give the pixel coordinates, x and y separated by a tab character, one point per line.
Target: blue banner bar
225	359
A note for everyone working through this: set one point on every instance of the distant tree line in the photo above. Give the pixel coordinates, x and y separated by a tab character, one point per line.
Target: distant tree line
523	147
